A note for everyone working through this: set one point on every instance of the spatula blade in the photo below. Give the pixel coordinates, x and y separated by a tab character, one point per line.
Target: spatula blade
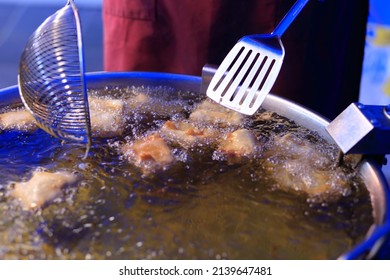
247	74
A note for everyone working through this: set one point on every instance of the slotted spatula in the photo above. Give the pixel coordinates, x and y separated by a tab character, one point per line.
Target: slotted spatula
250	69
51	77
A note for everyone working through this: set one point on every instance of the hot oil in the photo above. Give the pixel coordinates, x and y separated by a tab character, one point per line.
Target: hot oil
201	207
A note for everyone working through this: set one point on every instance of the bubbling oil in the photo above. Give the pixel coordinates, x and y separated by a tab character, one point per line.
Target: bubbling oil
200	207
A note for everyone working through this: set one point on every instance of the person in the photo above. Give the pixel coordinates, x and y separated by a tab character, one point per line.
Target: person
324	46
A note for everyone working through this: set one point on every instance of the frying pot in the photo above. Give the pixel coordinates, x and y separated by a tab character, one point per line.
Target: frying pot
377	242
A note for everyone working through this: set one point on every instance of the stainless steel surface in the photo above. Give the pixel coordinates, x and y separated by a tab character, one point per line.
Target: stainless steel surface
51	77
369	170
374	178
300	114
362	129
250	69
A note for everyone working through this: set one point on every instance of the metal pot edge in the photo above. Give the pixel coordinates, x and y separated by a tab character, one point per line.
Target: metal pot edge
369	169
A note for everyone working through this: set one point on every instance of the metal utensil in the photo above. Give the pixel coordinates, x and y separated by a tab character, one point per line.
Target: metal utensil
362	129
51	77
248	72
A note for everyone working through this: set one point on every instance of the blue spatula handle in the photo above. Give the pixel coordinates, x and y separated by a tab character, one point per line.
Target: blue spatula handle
289	17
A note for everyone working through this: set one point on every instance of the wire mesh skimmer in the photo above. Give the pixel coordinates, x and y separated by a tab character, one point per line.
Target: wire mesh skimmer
51	77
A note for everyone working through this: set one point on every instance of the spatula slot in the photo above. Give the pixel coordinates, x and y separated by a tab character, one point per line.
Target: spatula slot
249	63
235	74
263	82
225	72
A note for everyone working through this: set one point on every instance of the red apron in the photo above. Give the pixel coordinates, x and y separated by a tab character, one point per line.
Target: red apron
176	36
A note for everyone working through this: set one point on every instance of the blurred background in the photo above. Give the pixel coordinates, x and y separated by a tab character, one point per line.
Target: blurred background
375	82
20	18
